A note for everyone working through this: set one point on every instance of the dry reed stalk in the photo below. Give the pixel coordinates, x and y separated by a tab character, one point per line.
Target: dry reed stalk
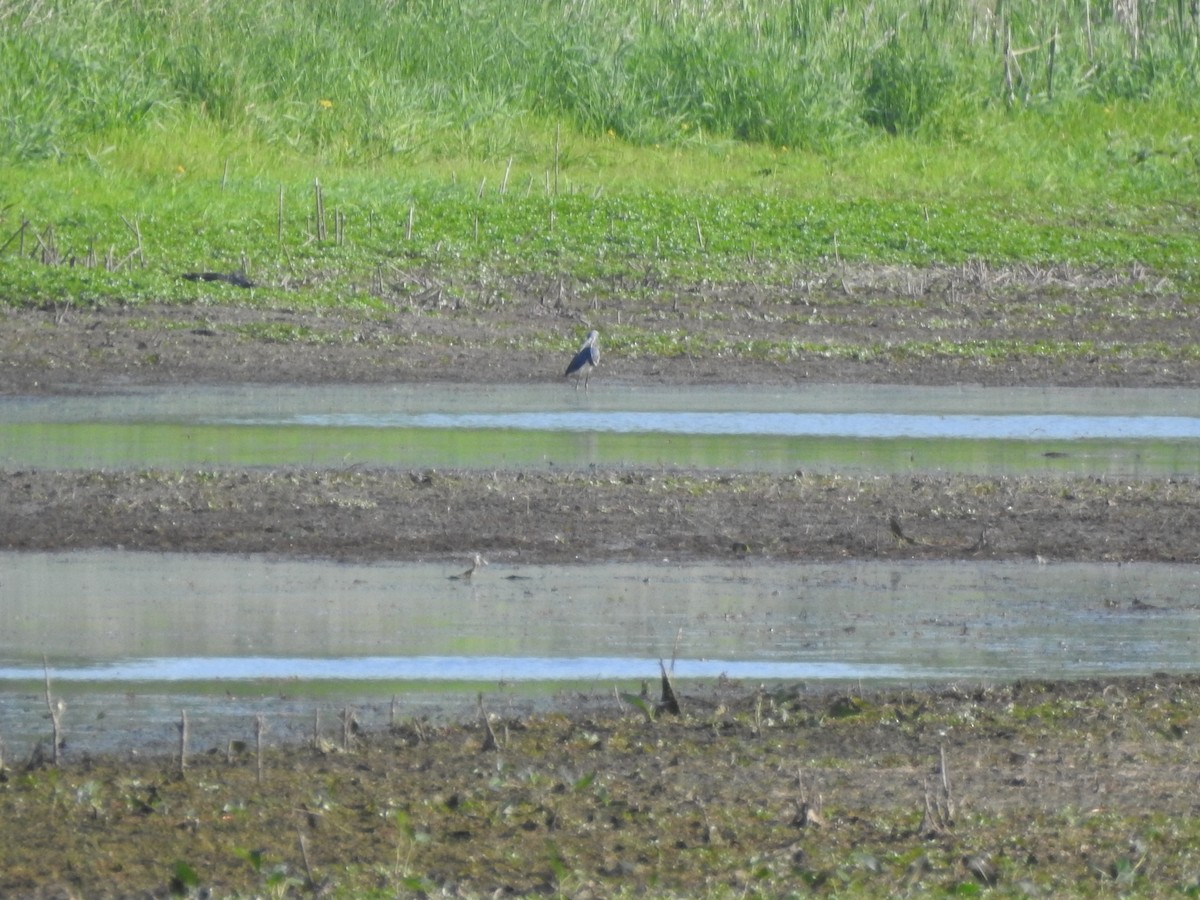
938	815
18	234
259	727
136	230
319	209
56	711
304	856
1050	64
670	700
557	150
50	254
1091	47
1008	64
183	742
348	723
489	742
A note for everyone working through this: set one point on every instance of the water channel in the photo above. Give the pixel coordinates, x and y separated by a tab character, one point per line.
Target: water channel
133	636
867	428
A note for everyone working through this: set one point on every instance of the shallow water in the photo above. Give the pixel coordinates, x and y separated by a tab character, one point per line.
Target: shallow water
133	617
819	427
131	638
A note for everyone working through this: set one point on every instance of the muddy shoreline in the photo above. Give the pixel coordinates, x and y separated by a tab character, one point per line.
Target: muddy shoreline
597	516
1120	329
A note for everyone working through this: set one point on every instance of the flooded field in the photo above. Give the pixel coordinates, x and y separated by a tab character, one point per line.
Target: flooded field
282	634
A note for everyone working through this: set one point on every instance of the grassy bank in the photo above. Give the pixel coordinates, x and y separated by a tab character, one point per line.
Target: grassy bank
646	140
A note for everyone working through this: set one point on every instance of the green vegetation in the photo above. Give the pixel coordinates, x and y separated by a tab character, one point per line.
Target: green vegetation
360	81
724	141
791	792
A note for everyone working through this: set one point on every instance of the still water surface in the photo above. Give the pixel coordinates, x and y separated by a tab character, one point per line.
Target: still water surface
132	639
138	617
819	427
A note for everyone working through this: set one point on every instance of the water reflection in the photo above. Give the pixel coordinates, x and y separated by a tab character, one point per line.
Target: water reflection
131	639
136	617
880	426
818	428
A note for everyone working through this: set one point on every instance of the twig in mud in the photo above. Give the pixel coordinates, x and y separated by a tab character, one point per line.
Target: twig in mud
312	882
808	810
259	728
945	772
670	700
939	804
56	710
489	742
183	742
349	724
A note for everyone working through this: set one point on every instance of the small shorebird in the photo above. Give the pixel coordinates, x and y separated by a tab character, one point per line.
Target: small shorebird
476	564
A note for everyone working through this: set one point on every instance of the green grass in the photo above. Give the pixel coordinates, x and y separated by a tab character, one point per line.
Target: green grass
356	80
724	141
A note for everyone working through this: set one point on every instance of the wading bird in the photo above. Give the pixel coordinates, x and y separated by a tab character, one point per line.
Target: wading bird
476	564
585	360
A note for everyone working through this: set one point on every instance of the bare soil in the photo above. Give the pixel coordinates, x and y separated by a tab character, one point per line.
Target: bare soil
1042	326
1070	788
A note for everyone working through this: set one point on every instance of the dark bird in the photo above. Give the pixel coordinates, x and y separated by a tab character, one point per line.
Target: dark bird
585	360
237	279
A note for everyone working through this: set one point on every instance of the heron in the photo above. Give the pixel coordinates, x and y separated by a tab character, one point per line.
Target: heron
585	360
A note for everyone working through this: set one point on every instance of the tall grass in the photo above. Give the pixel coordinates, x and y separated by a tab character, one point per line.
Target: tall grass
359	80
